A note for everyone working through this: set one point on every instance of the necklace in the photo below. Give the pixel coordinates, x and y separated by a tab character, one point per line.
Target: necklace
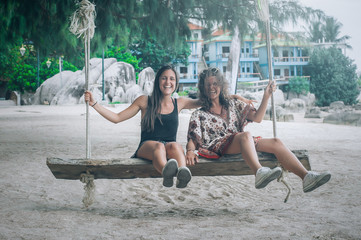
222	114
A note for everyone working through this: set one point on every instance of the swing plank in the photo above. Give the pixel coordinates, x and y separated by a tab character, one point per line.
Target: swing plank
127	168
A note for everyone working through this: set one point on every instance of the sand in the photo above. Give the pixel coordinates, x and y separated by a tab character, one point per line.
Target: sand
35	205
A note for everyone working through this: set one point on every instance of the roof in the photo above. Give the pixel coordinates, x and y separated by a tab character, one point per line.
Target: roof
193	26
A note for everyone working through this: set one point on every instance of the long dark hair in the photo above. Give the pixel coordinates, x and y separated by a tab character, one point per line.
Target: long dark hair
222	82
154	100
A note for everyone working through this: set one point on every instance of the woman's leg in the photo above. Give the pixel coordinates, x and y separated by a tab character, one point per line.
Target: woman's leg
154	151
175	150
243	143
287	159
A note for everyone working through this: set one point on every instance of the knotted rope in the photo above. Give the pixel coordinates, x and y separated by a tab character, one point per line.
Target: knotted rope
82	20
282	180
82	25
89	188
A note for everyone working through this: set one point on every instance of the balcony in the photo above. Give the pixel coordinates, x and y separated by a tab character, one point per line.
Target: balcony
245	77
249	55
291	60
223	55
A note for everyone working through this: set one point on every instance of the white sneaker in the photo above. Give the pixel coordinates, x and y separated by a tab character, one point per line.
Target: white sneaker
169	171
183	177
265	175
314	180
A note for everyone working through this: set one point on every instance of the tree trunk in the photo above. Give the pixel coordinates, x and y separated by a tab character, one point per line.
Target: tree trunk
233	61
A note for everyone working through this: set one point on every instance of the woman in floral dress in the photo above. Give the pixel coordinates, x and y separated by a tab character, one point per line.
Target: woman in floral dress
218	128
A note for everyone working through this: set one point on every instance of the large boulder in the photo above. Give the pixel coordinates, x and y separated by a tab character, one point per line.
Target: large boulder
313	112
345	118
119	84
52	86
146	80
295	105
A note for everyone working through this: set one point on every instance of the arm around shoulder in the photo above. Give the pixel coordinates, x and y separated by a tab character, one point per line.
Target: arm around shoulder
188	103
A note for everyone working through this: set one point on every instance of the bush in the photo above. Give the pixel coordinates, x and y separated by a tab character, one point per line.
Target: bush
333	77
298	85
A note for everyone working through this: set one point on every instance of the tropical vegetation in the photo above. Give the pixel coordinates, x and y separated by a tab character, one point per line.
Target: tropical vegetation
333	77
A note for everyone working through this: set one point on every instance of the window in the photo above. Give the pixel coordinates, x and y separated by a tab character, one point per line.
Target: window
225	49
183	70
196	35
277	72
224	69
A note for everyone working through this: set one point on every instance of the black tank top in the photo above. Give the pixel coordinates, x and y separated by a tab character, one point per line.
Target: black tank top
166	132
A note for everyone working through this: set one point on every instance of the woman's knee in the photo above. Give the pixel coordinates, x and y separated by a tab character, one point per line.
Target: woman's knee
244	136
277	142
174	147
159	147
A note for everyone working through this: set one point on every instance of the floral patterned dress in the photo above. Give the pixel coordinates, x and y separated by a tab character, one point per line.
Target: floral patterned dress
212	134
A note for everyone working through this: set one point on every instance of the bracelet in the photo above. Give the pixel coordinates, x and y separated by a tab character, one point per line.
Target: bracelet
190	150
94	104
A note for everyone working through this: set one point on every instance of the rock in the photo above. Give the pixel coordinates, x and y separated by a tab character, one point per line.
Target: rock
347	118
133	93
314	112
338	105
358	106
119	84
50	88
295	105
146	80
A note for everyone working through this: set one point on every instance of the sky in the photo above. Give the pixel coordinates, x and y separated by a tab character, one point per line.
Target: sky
348	13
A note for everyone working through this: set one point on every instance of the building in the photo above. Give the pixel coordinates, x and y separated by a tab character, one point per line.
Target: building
289	57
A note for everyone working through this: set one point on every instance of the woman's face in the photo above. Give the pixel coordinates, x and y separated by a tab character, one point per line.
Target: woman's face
212	88
167	82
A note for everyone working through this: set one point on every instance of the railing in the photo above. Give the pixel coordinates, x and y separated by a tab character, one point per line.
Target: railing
261	84
223	55
291	59
249	75
249	55
188	76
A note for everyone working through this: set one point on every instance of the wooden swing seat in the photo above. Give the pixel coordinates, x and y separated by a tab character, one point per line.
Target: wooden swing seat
128	168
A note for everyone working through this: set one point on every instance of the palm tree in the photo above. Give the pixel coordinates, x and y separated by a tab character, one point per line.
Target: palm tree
327	29
315	32
332	30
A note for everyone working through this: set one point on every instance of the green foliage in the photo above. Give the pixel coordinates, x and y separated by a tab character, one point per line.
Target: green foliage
46	73
155	55
23	78
46	22
20	72
299	85
185	93
122	55
359	81
333	77
327	29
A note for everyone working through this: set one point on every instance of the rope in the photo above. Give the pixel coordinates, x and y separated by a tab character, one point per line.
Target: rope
82	20
82	24
89	187
283	180
263	13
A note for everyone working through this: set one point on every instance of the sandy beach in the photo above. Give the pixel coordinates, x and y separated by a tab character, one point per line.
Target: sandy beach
35	205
